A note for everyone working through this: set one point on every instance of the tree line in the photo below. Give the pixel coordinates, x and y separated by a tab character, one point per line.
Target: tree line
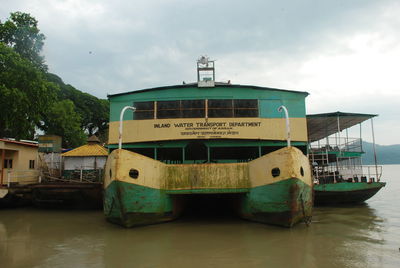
33	100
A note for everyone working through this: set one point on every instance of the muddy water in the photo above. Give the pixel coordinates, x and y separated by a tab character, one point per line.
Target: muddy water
362	236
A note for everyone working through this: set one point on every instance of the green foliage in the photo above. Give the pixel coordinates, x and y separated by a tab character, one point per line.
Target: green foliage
63	120
93	111
32	99
21	33
25	95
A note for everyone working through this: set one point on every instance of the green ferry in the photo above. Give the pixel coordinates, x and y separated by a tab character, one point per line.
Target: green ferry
339	174
209	138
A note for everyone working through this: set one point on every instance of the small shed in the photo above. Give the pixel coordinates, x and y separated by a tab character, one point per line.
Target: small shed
85	162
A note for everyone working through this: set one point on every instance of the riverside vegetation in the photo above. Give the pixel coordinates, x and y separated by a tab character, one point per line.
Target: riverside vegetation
33	99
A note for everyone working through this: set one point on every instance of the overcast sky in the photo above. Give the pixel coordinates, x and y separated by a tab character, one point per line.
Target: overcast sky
345	53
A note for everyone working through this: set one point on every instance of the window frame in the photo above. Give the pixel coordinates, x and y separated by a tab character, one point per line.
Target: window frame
31	164
208	108
8	163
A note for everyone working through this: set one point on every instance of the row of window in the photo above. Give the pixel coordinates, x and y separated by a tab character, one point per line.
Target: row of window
8	163
196	109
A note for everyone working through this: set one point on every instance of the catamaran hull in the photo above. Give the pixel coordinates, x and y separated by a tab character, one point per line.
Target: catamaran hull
283	203
133	205
153	197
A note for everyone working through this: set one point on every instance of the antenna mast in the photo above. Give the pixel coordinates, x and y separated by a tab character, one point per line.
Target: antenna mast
205	72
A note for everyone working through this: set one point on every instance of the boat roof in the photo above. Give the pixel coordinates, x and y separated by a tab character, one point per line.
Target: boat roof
217	84
323	125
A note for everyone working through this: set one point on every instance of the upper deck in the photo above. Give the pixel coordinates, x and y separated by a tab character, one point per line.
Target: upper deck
224	111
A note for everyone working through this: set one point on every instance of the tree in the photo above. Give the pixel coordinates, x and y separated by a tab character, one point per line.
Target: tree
61	119
25	95
93	111
31	98
21	33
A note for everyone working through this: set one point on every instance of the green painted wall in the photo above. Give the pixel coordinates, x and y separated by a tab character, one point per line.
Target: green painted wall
270	99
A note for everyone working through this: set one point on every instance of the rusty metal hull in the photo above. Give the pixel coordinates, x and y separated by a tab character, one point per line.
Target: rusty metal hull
283	203
133	205
140	190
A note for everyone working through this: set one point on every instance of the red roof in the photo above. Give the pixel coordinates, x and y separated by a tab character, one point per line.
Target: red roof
21	143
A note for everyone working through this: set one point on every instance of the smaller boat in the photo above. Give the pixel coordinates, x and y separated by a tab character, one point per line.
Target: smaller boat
338	172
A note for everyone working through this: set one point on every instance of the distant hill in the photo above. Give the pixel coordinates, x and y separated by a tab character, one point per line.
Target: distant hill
386	154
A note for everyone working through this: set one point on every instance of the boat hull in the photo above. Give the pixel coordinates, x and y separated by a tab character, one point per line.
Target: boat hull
152	195
133	205
284	203
345	192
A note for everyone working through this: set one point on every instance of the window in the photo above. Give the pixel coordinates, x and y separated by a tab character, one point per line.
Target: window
144	110
245	108
196	109
193	108
31	164
220	108
8	163
232	108
168	109
181	109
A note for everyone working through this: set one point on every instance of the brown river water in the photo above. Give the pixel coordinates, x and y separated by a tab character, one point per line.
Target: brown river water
366	235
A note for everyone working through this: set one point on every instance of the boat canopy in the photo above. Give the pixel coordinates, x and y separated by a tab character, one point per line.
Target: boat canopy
323	125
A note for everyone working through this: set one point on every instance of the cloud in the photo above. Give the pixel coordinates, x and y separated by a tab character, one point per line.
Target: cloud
342	52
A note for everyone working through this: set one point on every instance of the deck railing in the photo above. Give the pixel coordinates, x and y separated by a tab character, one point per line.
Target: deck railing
334	174
337	144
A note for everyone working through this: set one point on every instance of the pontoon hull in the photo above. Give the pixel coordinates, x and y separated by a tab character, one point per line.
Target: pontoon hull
284	203
153	196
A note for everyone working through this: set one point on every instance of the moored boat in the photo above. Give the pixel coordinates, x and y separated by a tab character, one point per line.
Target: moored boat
207	138
345	193
339	175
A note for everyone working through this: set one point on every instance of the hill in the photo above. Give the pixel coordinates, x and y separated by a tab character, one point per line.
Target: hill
386	154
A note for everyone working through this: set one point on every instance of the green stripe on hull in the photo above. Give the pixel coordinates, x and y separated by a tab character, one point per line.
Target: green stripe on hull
283	203
347	186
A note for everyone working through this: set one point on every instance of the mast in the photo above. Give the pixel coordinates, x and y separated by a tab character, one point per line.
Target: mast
205	72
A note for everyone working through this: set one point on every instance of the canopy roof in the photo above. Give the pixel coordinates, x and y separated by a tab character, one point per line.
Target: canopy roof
323	125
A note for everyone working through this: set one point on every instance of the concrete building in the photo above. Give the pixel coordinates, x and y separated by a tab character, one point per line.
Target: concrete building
18	162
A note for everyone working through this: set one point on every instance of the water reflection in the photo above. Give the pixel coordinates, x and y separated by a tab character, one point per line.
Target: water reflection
341	239
35	238
360	236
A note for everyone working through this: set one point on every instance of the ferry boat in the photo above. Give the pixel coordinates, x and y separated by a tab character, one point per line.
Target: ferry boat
339	175
167	143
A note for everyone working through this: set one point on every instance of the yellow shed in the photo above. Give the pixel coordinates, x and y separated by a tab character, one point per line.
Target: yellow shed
87	160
